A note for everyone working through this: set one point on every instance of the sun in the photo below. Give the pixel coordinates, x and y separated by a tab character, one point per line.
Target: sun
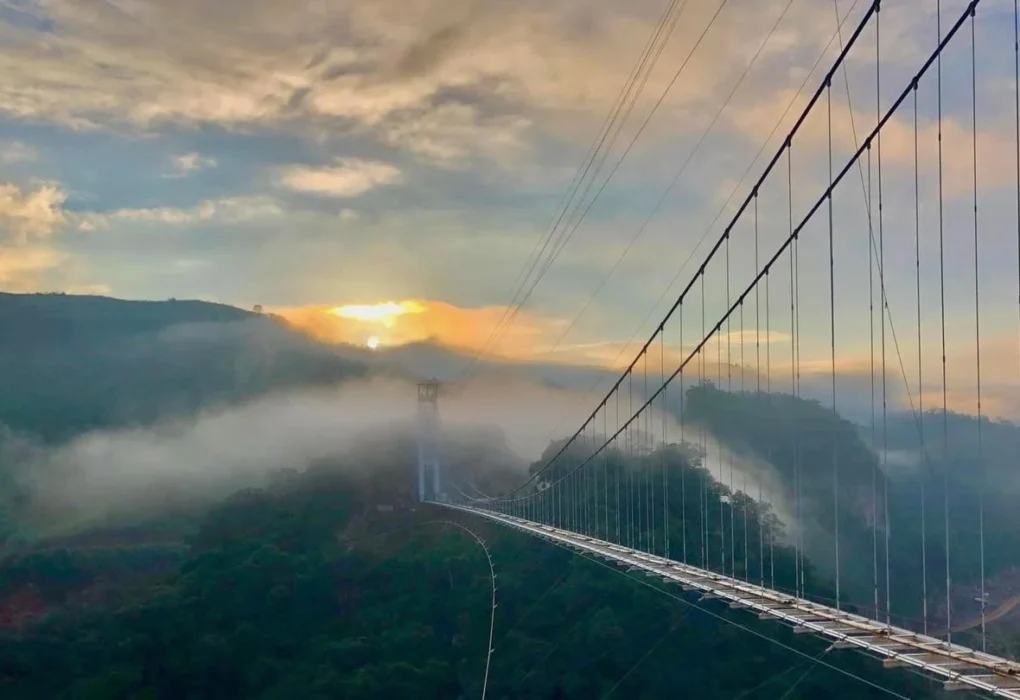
372	343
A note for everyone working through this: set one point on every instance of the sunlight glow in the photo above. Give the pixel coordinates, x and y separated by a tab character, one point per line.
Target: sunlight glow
384	314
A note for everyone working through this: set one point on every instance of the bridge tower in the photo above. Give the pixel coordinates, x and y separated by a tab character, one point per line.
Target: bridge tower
429	476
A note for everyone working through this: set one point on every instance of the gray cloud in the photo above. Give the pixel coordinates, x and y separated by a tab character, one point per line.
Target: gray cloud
376	66
426	55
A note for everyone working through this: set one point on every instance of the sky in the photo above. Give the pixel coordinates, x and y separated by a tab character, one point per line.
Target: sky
310	156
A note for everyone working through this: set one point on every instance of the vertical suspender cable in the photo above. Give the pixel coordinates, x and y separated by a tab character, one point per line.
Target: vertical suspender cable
575	477
768	392
920	377
561	509
570	497
1016	97
793	366
589	474
683	449
757	396
722	481
619	467
798	444
625	463
704	437
832	348
977	321
603	522
592	500
642	475
1016	92
662	447
630	463
729	392
882	305
942	303
874	422
649	473
580	475
744	497
592	485
582	486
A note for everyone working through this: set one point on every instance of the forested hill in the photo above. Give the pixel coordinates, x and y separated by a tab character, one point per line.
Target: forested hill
790	439
307	590
69	364
45	320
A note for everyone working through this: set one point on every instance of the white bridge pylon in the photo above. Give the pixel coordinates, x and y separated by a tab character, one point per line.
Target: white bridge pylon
959	667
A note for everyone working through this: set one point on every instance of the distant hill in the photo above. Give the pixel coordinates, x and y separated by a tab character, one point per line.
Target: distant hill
39	321
75	363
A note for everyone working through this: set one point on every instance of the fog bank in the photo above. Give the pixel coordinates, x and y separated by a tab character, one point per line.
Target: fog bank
210	454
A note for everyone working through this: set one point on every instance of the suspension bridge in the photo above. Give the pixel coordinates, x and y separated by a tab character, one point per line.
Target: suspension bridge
844	287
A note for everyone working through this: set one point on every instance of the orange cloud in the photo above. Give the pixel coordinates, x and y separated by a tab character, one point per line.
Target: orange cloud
22	269
396	323
27	215
531	337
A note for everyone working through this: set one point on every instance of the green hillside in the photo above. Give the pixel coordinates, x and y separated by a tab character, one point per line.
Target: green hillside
305	590
69	364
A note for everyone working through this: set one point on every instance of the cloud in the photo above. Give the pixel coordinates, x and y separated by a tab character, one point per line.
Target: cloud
996	166
191	163
31	214
16	152
618	354
229	210
31	218
116	472
351	177
449	134
205	456
190	264
22	267
413	321
28	220
532	337
425	55
441	78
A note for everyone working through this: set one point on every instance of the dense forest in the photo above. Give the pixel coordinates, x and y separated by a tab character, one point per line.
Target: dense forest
299	590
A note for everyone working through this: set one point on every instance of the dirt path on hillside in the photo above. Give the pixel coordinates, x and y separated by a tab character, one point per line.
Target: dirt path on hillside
1000	612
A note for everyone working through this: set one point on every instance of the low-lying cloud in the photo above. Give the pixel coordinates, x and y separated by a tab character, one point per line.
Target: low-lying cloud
119	473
